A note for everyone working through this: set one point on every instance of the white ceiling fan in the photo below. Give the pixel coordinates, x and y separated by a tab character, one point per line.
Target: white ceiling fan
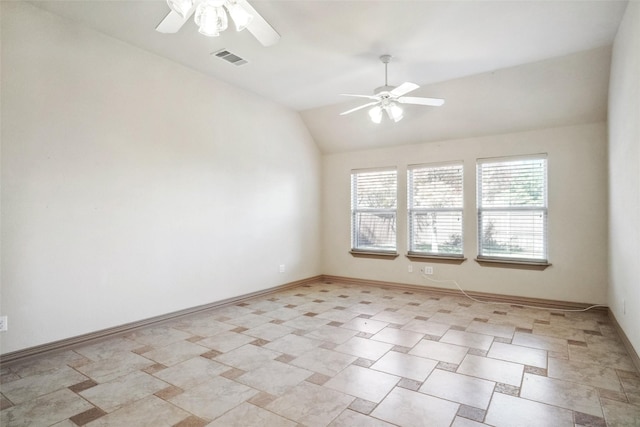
211	18
386	98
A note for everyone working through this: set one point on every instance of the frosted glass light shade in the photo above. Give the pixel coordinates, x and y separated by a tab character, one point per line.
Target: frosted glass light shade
376	114
211	19
396	112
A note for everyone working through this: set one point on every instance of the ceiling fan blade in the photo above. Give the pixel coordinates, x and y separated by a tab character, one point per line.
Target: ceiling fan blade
359	108
434	102
259	27
361	96
403	89
173	22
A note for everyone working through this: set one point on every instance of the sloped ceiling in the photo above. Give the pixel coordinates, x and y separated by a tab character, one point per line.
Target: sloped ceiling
501	65
555	92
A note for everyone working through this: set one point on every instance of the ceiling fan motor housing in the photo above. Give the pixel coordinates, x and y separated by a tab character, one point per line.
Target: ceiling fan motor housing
382	90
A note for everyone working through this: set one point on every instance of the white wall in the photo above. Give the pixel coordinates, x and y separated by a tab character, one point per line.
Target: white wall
133	187
577	214
624	176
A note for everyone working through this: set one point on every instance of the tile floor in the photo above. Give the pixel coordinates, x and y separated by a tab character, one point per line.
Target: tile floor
335	355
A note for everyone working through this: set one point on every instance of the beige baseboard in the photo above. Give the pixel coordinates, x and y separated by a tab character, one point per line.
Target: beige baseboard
85	339
482	296
625	340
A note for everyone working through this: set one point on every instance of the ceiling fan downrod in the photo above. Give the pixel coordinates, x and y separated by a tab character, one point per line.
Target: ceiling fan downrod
385	60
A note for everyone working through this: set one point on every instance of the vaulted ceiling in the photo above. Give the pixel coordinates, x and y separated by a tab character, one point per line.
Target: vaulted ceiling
502	66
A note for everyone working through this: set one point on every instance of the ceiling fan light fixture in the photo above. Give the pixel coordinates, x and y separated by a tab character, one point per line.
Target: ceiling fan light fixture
241	18
181	7
388	99
376	114
395	112
211	18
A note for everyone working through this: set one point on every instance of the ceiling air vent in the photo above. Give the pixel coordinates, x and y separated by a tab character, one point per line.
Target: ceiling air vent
230	57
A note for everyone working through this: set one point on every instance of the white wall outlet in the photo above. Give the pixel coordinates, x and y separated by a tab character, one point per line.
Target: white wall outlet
281	269
428	270
4	325
410	268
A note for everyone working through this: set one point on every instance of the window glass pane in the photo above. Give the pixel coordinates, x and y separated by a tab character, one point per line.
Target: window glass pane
512	209
436	187
375	190
375	231
436	233
514	234
435	203
513	183
373	210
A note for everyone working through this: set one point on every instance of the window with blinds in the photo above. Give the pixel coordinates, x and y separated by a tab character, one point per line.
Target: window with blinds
435	202
373	210
512	209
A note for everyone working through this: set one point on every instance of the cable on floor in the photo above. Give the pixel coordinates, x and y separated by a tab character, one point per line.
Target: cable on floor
507	303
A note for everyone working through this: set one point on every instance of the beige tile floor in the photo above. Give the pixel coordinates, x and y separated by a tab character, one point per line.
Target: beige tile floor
335	355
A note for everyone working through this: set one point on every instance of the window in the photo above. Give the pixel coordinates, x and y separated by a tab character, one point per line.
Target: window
373	210
435	210
512	209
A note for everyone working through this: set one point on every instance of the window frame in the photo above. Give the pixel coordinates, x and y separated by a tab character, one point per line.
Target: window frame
543	208
359	249
412	210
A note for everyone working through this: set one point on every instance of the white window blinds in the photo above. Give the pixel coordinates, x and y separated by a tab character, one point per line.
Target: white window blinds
373	210
435	203
512	208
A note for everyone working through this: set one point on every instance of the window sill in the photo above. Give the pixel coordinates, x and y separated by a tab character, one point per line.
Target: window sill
371	254
436	258
523	265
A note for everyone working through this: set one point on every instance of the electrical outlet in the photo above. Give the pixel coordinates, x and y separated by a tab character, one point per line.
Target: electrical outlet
624	306
4	325
410	268
281	268
428	270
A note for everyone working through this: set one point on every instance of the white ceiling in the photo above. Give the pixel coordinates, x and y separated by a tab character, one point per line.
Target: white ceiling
451	48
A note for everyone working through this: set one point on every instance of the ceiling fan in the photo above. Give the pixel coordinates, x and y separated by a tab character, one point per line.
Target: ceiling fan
386	98
211	18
